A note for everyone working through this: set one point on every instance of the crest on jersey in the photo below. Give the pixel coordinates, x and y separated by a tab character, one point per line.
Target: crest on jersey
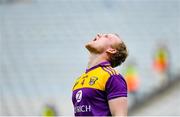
93	79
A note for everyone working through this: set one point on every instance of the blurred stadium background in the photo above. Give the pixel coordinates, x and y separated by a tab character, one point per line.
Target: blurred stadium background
42	48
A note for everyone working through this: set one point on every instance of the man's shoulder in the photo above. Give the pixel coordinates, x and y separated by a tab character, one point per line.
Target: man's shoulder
113	74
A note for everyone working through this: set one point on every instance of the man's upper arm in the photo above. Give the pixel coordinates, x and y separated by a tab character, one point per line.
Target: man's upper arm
118	106
116	89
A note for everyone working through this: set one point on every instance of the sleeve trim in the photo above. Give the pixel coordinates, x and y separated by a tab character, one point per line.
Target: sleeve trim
116	96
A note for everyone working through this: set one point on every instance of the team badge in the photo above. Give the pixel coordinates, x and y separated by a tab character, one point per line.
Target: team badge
93	80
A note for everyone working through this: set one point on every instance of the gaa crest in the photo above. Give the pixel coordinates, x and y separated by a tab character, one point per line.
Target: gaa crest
93	80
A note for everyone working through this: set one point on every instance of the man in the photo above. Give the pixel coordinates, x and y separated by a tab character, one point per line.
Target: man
101	91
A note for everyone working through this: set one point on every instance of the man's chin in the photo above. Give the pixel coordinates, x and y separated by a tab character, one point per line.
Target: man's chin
91	49
88	47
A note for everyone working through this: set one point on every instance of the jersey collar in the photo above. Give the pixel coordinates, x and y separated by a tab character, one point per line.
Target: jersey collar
106	63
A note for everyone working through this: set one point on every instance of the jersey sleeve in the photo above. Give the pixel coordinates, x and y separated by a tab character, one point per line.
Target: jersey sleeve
116	87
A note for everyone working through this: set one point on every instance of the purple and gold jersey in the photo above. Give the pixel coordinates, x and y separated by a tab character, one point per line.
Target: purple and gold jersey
94	88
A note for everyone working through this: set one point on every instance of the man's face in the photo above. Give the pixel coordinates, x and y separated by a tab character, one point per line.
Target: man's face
102	42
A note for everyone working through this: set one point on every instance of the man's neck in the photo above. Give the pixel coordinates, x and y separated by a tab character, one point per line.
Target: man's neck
95	59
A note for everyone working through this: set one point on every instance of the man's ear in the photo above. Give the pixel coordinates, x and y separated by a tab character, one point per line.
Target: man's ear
111	51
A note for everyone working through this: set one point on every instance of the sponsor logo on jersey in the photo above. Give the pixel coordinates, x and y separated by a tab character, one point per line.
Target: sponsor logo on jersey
82	108
79	96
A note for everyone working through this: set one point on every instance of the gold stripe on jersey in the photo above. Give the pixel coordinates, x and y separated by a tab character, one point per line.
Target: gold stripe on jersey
107	70
111	70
